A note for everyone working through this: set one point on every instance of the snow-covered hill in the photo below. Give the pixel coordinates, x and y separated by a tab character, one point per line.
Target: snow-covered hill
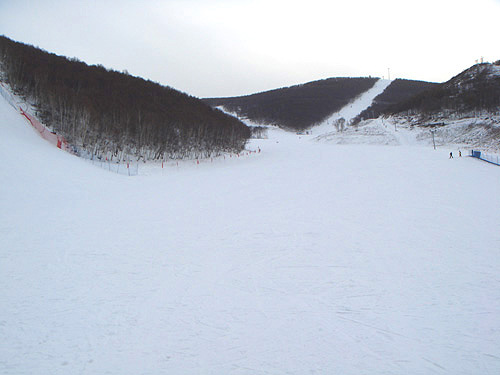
309	257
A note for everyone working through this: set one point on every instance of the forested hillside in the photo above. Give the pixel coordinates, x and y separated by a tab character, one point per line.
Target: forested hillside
99	110
297	107
399	90
476	89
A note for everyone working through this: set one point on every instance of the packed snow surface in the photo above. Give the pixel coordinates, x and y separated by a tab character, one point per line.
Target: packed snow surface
309	257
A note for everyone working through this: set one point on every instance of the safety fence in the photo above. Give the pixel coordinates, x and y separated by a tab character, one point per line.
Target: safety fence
490	158
56	140
8	97
124	168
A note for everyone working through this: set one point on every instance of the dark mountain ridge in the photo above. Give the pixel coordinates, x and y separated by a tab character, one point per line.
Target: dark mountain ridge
474	90
296	107
99	110
399	90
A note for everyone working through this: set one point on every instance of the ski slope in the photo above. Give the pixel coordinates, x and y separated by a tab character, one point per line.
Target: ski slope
351	110
310	257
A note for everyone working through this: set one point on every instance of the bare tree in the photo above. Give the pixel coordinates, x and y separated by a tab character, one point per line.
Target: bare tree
340	124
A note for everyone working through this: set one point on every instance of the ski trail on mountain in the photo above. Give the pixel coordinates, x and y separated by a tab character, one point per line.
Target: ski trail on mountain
354	108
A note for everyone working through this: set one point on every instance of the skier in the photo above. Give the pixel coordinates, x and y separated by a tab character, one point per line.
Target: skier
459	153
451	155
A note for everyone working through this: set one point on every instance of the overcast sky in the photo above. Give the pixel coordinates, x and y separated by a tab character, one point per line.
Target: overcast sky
210	48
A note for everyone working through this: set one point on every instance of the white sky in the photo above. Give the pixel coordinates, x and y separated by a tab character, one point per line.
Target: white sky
237	47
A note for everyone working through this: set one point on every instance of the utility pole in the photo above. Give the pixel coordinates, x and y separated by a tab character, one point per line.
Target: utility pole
433	141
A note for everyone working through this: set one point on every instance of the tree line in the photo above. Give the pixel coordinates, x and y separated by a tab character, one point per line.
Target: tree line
102	111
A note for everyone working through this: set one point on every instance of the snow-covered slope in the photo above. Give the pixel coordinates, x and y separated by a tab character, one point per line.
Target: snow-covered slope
354	108
460	113
306	258
481	133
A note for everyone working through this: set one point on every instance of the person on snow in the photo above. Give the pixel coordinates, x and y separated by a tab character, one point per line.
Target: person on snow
451	155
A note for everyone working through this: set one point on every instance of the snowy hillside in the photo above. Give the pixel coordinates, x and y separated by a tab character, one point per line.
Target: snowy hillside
309	257
460	113
354	108
360	103
297	107
475	90
482	132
